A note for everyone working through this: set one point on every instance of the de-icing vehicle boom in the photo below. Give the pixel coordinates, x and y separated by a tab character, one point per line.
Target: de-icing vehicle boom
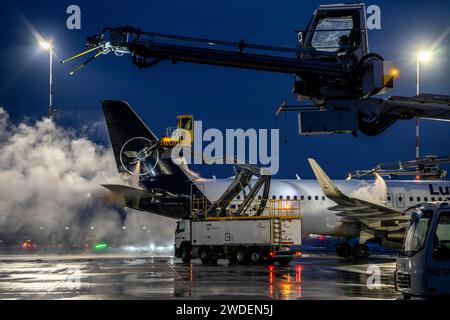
332	65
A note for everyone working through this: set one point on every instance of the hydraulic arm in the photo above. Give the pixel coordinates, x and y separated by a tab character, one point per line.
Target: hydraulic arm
331	59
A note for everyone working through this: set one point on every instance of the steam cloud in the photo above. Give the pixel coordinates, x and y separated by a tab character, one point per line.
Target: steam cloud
50	180
375	192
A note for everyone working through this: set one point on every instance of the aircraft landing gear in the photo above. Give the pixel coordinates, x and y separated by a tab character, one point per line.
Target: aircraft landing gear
344	250
361	251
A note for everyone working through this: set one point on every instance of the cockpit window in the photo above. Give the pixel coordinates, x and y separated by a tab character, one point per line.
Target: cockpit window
417	231
181	226
333	33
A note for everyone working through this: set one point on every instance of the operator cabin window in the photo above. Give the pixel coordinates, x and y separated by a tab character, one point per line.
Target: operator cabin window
309	197
186	123
334	33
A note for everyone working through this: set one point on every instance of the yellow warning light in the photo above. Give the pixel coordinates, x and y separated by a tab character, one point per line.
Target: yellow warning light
394	72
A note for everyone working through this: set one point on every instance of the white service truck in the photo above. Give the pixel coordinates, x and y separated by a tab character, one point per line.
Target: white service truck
423	267
238	239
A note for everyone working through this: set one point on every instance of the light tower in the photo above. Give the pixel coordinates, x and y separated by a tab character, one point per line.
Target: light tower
48	45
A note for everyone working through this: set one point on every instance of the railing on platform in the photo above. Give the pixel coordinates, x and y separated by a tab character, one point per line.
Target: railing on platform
273	208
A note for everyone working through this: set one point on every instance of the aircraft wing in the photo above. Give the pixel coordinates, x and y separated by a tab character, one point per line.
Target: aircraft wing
352	209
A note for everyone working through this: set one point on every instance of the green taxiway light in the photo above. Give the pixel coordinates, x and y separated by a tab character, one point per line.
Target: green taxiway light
101	246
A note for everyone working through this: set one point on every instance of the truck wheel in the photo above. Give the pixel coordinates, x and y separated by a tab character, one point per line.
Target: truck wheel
344	250
232	257
241	255
360	251
284	261
185	255
255	256
205	257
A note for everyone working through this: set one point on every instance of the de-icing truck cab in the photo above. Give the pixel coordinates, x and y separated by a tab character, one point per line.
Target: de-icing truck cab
423	267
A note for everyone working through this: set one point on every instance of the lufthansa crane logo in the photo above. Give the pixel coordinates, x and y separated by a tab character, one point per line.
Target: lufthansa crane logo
139	153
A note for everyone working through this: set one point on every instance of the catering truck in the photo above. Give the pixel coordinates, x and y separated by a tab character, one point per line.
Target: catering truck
423	267
258	239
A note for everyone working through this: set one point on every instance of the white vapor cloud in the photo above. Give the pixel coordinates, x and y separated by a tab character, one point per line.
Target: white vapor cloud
375	192
50	179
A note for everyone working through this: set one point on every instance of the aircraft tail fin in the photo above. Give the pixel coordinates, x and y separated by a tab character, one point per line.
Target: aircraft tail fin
137	152
124	125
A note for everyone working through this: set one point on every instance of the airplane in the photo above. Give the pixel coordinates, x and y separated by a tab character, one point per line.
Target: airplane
365	209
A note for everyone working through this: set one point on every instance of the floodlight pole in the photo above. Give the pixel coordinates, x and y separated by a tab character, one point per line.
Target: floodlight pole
50	110
417	116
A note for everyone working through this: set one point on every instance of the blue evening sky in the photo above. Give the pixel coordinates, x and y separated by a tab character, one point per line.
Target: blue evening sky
221	97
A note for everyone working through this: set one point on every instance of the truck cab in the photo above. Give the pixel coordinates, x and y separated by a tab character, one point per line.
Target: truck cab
423	267
183	247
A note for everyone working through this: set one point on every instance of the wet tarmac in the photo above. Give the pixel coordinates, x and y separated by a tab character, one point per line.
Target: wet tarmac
126	277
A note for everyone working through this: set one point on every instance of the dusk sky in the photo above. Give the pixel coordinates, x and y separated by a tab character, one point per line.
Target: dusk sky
220	97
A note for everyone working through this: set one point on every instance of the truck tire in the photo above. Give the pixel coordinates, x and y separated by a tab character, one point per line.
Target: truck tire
255	256
185	254
205	256
361	251
344	250
284	261
232	257
240	255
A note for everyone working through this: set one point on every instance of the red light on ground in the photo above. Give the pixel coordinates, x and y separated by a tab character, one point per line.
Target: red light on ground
298	273
271	276
298	254
417	177
321	237
28	244
272	254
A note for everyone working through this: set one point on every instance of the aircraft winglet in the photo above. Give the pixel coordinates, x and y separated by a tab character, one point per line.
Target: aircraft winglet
328	187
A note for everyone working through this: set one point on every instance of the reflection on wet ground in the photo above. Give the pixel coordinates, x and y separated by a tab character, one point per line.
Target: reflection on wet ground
121	277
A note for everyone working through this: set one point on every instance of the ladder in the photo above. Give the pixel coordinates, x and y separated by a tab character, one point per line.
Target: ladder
276	230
